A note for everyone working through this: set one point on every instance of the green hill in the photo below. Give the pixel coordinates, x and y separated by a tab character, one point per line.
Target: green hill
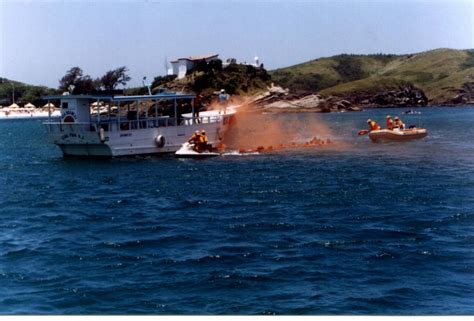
442	74
209	78
23	93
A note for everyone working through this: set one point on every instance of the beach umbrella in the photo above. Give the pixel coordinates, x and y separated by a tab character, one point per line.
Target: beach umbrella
49	105
30	105
14	106
45	107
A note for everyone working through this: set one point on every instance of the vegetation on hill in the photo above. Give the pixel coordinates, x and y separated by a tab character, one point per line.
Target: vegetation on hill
23	93
442	74
207	78
437	77
73	79
76	82
323	73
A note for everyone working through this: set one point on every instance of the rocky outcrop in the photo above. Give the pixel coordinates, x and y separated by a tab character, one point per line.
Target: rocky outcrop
402	96
277	99
465	95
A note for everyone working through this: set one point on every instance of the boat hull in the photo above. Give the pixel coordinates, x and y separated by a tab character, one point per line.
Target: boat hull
397	135
76	140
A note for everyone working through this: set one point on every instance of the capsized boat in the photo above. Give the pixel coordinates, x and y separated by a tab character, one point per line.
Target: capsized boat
397	134
187	151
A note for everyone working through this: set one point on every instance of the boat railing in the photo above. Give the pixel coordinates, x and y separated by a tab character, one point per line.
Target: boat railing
115	124
202	120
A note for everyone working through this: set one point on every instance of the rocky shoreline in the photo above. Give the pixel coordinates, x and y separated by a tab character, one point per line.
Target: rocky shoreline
279	100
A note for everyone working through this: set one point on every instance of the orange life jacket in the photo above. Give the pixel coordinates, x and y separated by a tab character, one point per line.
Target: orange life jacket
389	123
373	125
195	138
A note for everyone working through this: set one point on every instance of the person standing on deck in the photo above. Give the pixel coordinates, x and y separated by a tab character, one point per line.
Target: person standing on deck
198	105
223	101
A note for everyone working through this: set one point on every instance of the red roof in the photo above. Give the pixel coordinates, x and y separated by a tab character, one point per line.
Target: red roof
197	58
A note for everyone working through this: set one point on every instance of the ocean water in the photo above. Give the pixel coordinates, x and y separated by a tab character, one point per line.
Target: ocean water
377	229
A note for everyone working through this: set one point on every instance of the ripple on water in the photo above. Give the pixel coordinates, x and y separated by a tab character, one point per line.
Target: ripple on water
365	229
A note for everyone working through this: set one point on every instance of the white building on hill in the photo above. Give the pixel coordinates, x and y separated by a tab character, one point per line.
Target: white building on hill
181	65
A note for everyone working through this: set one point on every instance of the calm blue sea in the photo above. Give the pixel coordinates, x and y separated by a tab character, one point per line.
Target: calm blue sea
369	229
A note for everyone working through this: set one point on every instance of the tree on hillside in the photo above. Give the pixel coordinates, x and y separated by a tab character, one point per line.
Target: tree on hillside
113	78
82	84
349	67
70	78
161	80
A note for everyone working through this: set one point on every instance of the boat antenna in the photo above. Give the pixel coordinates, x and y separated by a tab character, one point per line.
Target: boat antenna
147	85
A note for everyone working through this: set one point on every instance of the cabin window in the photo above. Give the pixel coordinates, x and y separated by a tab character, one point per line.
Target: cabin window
64	105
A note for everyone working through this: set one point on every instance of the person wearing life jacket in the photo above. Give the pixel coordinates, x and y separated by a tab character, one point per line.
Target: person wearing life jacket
196	137
399	124
389	122
373	125
195	140
203	142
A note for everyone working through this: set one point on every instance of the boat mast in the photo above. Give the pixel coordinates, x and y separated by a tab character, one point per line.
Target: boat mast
147	85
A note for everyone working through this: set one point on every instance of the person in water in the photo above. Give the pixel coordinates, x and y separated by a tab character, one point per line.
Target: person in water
389	122
373	125
399	124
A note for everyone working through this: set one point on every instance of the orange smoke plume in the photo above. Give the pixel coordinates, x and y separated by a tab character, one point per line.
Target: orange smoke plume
254	131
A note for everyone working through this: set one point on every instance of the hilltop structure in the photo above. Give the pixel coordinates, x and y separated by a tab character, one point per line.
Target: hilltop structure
181	66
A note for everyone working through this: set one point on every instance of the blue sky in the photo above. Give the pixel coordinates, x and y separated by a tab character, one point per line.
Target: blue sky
41	40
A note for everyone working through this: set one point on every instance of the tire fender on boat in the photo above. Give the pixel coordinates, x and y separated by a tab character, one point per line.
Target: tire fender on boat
101	135
160	141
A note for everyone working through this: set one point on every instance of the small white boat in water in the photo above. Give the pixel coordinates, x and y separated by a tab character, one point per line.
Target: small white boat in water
187	151
412	112
139	125
397	134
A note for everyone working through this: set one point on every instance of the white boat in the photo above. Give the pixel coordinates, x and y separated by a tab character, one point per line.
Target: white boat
187	151
412	112
26	113
148	124
397	134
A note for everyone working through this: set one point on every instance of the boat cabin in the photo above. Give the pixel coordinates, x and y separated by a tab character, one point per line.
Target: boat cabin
117	113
